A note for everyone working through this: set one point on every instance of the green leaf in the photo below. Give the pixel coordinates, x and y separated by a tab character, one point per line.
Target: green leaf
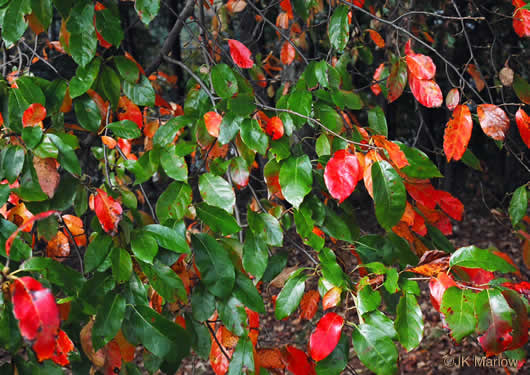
174	165
458	307
291	294
255	254
389	194
5	190
471	160
147	9
84	78
420	166
217	192
375	350
383	323
109	26
300	101
20	250
266	225
377	121
322	146
342	226
56	273
296	179
331	271
165	281
173	202
168	238
43	10
521	88
14	23
141	93
142	168
518	205
97	251
339	31
474	257
328	116
109	85
125	129
87	113
67	157
202	303
253	136
335	363
13	162
121	265
159	335
32	136
368	300
224	81
409	322
229	127
108	321
246	292
349	99
83	46
127	69
144	246
242	358
233	315
167	132
216	268
217	219
242	105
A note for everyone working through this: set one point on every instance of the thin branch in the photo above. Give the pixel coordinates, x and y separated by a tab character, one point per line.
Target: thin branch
34	52
414	12
77	249
172	36
217	341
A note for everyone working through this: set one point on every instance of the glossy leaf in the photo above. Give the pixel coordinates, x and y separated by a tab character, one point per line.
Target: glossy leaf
338	28
409	322
108	211
523	124
291	295
212	121
342	174
217	192
420	66
375	349
297	362
108	321
389	194
397	80
521	19
437	288
125	129
458	133
493	120
217	219
241	55
33	115
255	254
426	91
147	9
275	128
518	205
224	81
458	307
253	136
452	99
242	358
287	53
296	179
326	336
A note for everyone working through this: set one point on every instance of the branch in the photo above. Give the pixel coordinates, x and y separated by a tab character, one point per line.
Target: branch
172	36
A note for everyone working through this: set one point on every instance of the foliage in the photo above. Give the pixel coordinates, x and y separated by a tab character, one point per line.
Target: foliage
133	216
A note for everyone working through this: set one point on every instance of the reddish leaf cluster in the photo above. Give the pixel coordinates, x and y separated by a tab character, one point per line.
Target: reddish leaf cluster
421	71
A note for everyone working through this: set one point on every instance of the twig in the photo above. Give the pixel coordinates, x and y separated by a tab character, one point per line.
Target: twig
77	249
107	170
172	36
34	52
301	249
217	341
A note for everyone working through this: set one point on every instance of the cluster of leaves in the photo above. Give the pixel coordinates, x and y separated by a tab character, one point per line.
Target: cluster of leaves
83	246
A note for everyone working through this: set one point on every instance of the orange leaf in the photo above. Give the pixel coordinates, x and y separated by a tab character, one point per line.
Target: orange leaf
58	248
274	128
309	304
108	141
33	115
331	298
493	121
286	6
376	38
452	99
523	124
427	92
108	211
376	89
85	336
397	80
394	152
127	350
270	358
75	226
521	19
287	54
421	66
27	224
241	55
47	174
236	6
218	361
477	77
213	120
432	263
127	110
450	205
458	133
282	21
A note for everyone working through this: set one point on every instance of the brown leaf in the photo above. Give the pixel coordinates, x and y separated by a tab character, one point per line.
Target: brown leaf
58	248
279	281
309	304
493	120
477	77
432	263
47	174
506	76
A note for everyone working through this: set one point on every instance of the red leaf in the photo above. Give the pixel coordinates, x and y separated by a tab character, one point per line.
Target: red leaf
63	346
424	193
476	276
33	115
127	110
27	224
523	124
274	128
239	172
240	54
376	38
427	92
522	288
309	304
520	322
218	361
438	286
397	80
394	152
408	48
286	6
421	66
326	336
331	298
47	174
452	206
493	121
452	99
342	174
458	133
287	54
521	19
376	89
213	120
108	211
112	358
297	362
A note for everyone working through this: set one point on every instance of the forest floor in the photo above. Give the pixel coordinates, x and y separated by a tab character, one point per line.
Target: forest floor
484	226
